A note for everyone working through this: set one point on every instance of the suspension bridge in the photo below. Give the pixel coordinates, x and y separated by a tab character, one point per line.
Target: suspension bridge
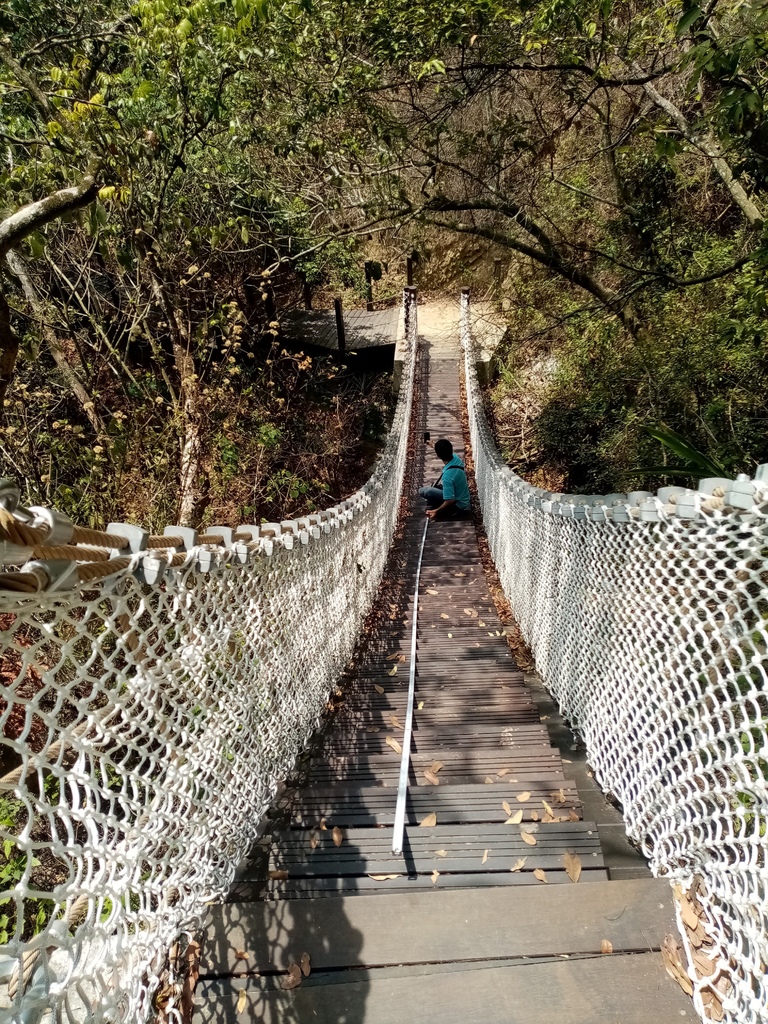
445	841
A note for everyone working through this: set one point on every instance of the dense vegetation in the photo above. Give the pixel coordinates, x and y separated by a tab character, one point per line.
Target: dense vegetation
190	163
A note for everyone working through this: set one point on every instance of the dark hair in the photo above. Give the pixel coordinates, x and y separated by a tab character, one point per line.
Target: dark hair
443	449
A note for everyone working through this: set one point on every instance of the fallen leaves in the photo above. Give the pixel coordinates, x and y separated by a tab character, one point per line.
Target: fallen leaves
470	612
502	772
507	809
338	836
393	657
528	837
432	592
515	818
519	864
572	864
382	878
485	856
429	822
541	874
395	721
441	853
431	778
572	815
670	953
392	671
392	742
377	688
436	766
305	964
293	979
314	841
435	876
489	781
278	876
523	797
443	615
240	954
606	946
242	1000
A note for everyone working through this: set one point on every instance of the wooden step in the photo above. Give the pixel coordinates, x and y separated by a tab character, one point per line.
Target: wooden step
357	807
455	925
493	848
619	989
472	767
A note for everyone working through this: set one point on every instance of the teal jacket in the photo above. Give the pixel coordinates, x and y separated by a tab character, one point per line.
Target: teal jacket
455	483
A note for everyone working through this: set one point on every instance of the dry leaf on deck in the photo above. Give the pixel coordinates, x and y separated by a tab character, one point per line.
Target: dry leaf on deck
572	864
516	818
485	856
382	878
529	838
338	836
435	876
395	721
450	635
482	625
523	797
488	780
372	728
519	864
606	946
392	742
393	657
540	874
294	978
242	1000
420	705
502	772
377	688
392	671
431	778
670	952
547	807
240	954
430	821
441	853
507	808
314	841
433	592
572	815
436	766
534	815
305	964
278	876
459	574
470	612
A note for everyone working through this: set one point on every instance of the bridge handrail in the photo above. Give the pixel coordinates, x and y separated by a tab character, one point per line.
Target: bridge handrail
647	615
154	699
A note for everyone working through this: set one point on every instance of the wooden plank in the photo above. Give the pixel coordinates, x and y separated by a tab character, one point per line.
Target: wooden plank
470	767
368	850
356	885
375	805
632	989
458	925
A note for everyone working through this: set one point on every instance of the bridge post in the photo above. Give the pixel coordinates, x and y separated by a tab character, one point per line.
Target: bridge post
464	323
410	316
340	335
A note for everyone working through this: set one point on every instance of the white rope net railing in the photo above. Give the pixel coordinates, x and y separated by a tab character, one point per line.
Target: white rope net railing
647	616
151	703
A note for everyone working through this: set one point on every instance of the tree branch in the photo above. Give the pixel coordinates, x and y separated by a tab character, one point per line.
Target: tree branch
711	149
36	215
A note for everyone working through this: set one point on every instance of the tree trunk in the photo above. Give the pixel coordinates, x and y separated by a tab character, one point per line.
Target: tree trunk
9	349
19	269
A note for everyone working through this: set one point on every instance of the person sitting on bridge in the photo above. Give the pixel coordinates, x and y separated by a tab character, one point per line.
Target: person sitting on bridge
449	498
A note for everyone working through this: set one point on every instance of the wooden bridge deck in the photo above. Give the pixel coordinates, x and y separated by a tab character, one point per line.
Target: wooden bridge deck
468	924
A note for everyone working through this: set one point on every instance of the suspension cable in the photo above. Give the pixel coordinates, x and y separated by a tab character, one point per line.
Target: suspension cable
405	761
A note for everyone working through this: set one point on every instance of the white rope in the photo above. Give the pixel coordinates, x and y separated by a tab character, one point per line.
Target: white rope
146	721
648	619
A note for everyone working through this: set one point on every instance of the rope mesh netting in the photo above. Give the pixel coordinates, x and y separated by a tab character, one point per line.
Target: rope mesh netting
647	616
150	716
